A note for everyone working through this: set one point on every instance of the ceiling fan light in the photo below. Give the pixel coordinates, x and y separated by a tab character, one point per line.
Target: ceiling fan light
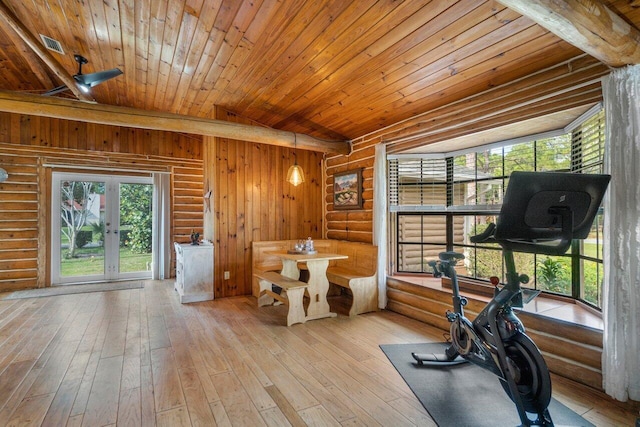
295	175
84	87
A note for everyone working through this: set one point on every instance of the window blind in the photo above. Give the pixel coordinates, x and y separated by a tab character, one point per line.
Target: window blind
417	182
587	152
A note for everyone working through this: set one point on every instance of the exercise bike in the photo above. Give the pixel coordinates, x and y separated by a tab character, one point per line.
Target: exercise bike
542	213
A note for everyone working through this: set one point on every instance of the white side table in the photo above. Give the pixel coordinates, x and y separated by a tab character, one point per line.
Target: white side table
194	272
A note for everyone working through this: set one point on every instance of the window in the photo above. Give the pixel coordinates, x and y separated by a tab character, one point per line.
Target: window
418	182
587	156
438	202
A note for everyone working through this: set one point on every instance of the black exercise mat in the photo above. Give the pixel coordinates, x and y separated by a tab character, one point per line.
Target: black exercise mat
464	395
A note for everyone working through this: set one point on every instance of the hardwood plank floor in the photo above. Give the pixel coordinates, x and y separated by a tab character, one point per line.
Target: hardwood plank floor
138	357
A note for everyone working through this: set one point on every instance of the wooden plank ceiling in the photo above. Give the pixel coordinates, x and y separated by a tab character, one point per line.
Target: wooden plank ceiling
331	69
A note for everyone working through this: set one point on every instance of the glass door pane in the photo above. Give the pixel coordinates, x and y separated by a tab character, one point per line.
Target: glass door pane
80	232
136	215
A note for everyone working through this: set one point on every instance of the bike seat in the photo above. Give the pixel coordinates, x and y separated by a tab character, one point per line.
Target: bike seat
450	255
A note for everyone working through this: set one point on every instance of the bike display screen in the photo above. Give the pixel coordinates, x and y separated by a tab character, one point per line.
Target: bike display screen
533	199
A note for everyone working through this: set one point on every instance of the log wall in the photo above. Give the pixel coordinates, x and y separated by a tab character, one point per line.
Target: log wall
351	225
28	144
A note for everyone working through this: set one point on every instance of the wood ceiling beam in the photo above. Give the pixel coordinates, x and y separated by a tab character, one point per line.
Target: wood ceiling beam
68	109
588	25
7	16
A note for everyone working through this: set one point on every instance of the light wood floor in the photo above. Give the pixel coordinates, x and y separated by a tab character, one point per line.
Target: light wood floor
138	357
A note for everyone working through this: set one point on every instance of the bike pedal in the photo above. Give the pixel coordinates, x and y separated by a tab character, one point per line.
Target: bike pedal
451	316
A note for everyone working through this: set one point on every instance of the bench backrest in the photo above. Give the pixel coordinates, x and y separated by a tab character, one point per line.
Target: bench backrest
363	257
262	260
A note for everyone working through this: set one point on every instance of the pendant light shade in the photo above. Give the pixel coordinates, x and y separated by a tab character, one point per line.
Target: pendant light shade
295	174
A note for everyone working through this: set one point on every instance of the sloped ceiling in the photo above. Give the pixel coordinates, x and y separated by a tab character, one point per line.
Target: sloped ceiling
332	69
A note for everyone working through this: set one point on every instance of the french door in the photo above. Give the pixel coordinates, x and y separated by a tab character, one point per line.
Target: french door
101	228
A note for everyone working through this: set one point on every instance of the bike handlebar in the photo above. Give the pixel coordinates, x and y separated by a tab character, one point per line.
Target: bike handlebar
485	236
549	241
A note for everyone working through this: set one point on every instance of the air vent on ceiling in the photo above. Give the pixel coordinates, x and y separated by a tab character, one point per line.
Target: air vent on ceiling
52	44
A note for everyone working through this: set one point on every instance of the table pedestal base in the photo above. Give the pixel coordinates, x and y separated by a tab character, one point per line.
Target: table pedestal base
318	284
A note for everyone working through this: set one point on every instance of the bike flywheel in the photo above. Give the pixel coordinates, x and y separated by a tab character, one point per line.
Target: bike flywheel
531	374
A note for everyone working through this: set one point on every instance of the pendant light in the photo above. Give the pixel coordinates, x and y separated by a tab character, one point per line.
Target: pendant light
295	175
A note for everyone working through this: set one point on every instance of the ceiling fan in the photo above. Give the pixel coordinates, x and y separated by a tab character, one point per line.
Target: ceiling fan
86	81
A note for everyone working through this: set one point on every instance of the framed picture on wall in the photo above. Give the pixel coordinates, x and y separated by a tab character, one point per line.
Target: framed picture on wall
347	190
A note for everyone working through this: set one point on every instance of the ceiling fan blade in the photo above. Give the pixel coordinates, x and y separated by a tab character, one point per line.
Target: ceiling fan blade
55	90
93	79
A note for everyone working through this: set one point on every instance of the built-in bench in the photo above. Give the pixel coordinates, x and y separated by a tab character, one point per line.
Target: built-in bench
292	294
358	272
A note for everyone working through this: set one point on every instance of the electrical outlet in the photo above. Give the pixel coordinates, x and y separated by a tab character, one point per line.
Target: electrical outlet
226	275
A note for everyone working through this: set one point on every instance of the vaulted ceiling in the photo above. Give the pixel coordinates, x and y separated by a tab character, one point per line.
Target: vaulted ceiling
332	69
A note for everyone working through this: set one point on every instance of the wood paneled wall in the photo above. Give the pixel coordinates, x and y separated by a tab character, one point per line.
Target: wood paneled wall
29	143
56	133
251	200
